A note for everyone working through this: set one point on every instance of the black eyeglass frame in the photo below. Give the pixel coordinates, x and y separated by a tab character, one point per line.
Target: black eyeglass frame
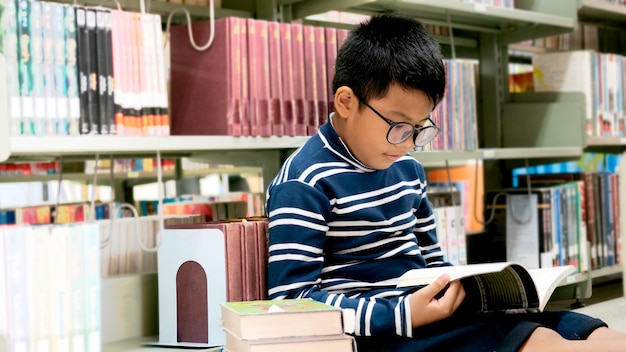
416	130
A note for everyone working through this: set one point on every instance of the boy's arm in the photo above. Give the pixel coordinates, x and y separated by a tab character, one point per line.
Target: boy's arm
297	231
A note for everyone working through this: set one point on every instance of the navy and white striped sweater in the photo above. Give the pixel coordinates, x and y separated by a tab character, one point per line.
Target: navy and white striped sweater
342	233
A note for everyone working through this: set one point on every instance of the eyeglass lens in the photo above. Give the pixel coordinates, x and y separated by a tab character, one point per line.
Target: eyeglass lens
402	131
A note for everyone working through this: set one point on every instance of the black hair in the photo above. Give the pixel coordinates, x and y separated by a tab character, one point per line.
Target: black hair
390	48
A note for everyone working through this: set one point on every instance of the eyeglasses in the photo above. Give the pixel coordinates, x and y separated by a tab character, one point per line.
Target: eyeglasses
401	131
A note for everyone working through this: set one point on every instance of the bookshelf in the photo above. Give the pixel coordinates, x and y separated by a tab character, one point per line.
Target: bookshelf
489	31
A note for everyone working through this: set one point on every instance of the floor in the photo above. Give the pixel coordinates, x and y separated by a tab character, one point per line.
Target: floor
607	302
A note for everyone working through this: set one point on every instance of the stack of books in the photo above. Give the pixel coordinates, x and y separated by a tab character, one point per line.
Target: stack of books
302	325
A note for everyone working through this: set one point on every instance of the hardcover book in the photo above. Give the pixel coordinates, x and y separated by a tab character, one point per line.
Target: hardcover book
267	319
501	286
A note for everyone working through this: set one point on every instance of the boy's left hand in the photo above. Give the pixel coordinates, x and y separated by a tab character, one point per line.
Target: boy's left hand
429	305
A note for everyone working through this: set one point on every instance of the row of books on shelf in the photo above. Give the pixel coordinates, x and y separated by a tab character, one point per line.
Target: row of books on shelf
449	219
136	165
563	219
30	169
509	4
584	37
456	115
50	288
258	78
233	204
273	79
599	76
63	60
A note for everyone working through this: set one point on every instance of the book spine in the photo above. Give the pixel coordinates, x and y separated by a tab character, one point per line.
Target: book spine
37	66
234	51
276	79
119	76
287	67
60	299
49	115
59	64
72	71
331	56
163	105
321	75
253	76
17	289
83	49
4	314
91	289
245	80
109	81
310	80
76	282
148	75
101	69
300	111
263	117
25	67
12	52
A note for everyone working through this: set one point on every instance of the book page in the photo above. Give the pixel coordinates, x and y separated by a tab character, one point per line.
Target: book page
547	279
420	277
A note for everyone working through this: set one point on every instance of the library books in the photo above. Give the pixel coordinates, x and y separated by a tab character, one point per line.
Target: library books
63	59
284	325
50	288
266	319
335	343
500	286
598	75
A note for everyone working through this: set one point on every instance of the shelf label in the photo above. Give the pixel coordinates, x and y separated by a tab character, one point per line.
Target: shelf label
488	154
482	8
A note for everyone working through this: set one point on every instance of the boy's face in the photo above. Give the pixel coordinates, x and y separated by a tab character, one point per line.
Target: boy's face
365	133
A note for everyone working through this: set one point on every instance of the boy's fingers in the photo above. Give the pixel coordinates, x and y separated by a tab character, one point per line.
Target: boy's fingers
436	286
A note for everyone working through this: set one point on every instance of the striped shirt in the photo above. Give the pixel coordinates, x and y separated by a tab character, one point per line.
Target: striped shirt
342	233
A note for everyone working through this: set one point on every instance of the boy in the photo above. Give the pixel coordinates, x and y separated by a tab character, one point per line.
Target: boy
348	212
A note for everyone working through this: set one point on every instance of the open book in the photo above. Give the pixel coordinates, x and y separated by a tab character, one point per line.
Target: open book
502	286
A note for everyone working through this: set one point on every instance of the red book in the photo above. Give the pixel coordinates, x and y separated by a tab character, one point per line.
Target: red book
276	77
300	113
286	51
310	80
205	95
321	72
258	65
244	79
331	56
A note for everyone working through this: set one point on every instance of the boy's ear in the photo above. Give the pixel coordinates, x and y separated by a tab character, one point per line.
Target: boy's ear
346	102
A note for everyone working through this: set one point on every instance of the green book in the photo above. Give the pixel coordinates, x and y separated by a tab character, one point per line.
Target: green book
281	318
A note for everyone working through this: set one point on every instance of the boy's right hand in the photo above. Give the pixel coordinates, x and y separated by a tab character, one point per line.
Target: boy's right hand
428	306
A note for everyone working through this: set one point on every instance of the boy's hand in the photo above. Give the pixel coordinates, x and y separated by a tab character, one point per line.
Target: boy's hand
429	306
